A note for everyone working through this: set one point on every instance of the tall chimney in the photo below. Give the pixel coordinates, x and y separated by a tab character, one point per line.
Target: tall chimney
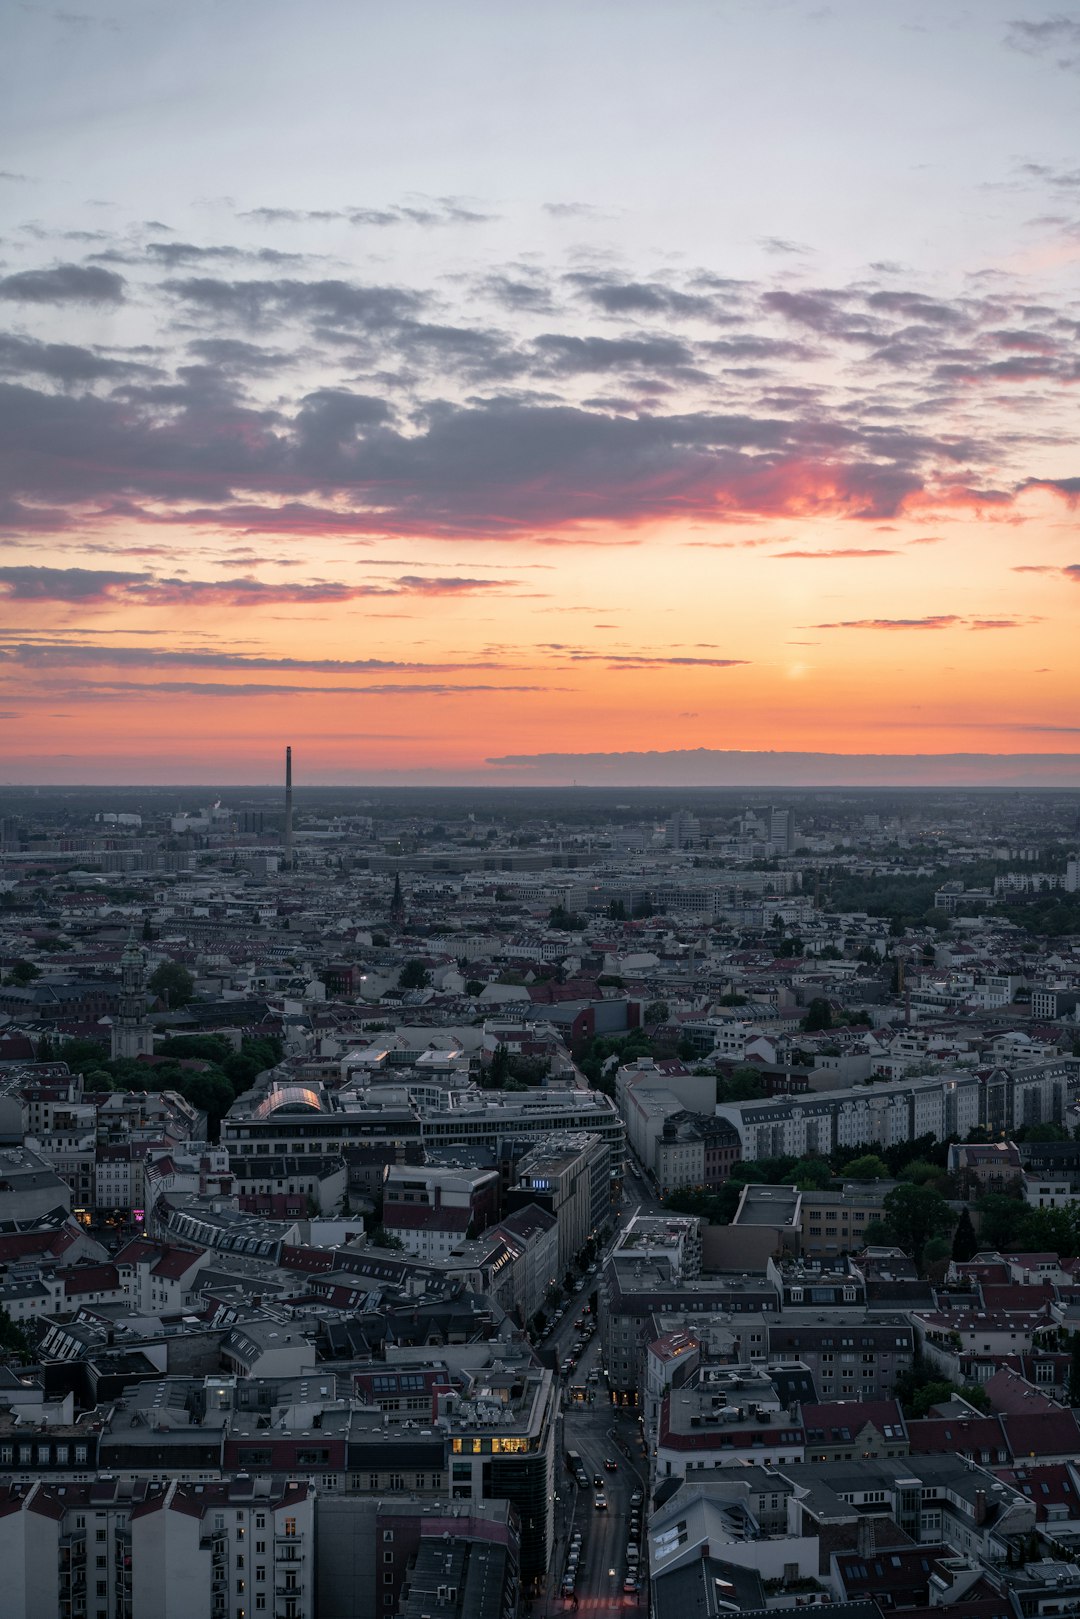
288	810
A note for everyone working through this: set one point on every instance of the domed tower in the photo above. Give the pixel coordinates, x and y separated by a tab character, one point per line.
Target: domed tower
132	1033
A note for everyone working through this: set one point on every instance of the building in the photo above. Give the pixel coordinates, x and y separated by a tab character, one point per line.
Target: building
569	1175
132	1032
851	1354
431	1210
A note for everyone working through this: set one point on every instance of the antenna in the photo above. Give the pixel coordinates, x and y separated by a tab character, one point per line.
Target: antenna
288	811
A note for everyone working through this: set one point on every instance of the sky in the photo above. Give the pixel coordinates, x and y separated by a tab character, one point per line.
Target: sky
578	392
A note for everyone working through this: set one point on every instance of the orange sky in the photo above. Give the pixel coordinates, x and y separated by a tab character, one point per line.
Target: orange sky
704	381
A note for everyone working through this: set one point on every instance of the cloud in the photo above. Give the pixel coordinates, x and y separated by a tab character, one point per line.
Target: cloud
65	284
714	767
174	254
933	621
435	211
74	654
124	690
343	303
1057	36
1067	488
824	556
617	297
573	210
87	585
583	354
781	245
66	363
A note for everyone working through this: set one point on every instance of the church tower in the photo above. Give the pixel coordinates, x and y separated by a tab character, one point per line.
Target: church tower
132	1034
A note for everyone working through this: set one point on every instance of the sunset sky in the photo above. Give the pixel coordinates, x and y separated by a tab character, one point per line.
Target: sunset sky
457	389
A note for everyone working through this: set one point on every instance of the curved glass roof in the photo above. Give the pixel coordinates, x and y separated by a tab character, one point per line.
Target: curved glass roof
289	1099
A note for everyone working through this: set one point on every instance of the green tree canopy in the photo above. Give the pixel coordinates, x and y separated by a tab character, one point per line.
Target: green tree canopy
171	982
744	1084
812	1173
818	1015
914	1214
867	1168
23	972
1000	1219
414	975
965	1244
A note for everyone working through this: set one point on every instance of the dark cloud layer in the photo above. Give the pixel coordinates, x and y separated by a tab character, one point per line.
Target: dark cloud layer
611	400
64	284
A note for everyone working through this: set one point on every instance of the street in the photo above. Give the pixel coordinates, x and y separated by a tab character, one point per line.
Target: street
597	1431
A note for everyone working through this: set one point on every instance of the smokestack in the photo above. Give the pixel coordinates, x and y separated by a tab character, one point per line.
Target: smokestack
288	810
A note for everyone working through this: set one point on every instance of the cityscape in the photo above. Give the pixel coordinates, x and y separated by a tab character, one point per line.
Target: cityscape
411	1204
539	810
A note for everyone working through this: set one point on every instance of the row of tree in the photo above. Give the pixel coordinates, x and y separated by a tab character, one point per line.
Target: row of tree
206	1069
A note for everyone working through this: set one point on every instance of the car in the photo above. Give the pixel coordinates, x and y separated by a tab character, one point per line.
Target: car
630	1584
635	1499
632	1553
579	1323
600	1501
611	1464
598	1481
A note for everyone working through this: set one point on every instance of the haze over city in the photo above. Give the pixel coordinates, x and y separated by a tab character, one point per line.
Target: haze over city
576	393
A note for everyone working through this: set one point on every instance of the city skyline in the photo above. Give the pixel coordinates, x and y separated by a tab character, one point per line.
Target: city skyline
466	394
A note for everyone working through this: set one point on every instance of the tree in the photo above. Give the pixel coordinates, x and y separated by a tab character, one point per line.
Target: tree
818	1015
474	988
23	972
210	1091
1000	1219
14	1343
744	1084
414	975
171	982
617	911
877	1234
867	1168
914	1214
656	1012
811	1174
1074	1371
919	1171
965	1244
498	1070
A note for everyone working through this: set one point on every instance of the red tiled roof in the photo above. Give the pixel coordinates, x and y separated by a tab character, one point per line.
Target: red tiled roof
943	1436
1048	1433
855	1415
